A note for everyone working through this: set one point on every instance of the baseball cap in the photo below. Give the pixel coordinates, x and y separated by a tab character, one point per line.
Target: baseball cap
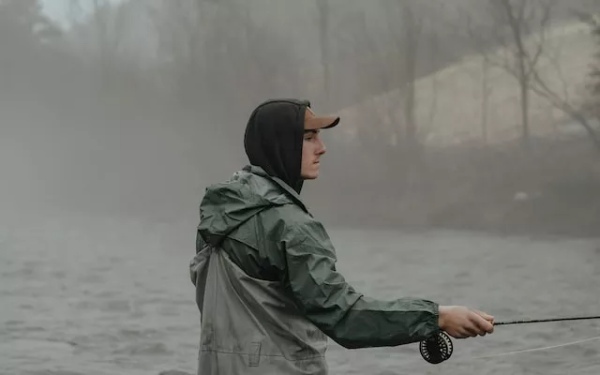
312	121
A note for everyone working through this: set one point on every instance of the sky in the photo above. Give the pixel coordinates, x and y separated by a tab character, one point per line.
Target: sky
58	10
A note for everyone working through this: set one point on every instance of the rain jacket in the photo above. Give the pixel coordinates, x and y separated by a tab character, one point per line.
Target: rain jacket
268	290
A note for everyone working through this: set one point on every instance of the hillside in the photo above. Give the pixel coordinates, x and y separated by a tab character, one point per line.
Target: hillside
450	101
461	183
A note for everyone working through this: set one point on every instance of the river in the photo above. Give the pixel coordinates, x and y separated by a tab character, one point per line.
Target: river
100	296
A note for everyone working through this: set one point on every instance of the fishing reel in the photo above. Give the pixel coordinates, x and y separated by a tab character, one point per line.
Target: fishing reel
437	348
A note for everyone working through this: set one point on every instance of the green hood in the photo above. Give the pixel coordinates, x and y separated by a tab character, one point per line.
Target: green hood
228	205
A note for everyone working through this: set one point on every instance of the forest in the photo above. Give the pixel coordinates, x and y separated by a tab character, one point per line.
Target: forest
463	114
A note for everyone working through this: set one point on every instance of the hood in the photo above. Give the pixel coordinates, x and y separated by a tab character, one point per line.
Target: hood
228	205
273	139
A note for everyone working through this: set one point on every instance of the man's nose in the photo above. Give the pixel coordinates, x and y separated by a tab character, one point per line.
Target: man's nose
321	149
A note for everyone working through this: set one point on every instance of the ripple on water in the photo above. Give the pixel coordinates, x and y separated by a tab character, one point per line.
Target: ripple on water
174	372
539	336
38	350
143	349
53	372
132	333
590	352
118	305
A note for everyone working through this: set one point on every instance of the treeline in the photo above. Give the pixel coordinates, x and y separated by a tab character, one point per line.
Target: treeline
133	107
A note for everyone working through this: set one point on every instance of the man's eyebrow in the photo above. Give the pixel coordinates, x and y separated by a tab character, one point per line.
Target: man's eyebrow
314	131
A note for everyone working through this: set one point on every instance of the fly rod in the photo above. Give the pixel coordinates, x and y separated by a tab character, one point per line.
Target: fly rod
529	321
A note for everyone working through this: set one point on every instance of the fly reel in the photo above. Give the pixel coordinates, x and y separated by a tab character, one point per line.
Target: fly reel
437	348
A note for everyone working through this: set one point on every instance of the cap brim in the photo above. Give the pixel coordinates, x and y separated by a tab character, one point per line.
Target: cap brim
325	122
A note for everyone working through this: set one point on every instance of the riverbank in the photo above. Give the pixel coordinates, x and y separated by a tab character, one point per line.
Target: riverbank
552	190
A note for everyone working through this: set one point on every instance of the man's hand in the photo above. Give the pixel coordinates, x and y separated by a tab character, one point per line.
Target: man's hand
461	322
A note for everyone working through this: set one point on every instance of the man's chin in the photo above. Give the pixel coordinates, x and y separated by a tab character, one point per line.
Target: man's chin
312	176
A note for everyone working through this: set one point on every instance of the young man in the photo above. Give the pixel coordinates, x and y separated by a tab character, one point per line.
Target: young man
266	283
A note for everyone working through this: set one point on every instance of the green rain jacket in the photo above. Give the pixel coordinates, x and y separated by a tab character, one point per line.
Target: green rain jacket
268	291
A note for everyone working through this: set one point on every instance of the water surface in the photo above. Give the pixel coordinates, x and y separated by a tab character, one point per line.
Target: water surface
103	296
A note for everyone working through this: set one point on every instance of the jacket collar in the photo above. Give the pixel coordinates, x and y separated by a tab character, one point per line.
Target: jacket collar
277	181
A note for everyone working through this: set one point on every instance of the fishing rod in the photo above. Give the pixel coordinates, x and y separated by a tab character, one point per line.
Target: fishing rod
438	348
529	321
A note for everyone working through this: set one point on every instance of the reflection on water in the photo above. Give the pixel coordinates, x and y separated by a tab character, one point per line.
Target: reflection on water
91	296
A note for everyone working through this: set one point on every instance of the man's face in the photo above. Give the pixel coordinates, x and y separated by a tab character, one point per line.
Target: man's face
312	150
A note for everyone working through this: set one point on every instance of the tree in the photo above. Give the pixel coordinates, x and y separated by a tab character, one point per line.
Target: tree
101	35
26	37
179	45
396	46
520	32
486	89
23	27
565	103
215	53
518	29
594	86
323	17
413	27
396	59
562	98
516	20
24	18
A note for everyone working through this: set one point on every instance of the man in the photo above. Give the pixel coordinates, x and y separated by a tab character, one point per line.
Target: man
266	283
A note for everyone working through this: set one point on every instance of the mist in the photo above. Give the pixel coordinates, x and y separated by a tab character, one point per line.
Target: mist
132	108
469	143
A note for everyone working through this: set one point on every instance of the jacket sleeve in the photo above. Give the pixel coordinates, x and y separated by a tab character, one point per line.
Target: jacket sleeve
345	315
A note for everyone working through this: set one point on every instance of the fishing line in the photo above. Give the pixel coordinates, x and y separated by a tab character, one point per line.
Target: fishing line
438	348
538	349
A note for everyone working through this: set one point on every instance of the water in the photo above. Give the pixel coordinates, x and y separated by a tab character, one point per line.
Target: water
100	296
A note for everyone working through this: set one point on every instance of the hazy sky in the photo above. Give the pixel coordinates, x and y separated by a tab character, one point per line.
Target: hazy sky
58	9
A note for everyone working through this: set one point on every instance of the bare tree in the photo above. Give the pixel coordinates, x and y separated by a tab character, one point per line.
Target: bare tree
521	17
176	42
486	89
413	27
562	99
426	119
594	87
395	48
324	20
524	49
216	52
397	64
23	25
101	35
519	29
26	36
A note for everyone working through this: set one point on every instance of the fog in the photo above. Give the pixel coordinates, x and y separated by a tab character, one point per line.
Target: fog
132	108
470	115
